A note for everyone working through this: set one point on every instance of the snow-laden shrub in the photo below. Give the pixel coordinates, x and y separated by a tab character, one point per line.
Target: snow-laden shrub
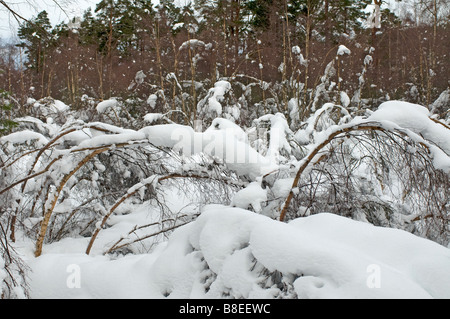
13	271
441	106
388	167
232	253
219	102
49	110
6	112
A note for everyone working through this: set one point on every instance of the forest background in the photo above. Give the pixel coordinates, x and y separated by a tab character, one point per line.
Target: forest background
166	57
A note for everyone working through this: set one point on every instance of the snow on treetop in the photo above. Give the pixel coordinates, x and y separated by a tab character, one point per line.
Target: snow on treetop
59	106
225	124
343	50
153	117
25	137
152	100
232	252
416	118
192	44
217	94
103	106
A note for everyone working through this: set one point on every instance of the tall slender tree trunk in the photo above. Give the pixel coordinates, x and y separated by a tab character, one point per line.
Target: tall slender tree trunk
193	109
377	20
99	66
225	46
307	49
21	71
43	76
110	35
327	21
158	54
284	73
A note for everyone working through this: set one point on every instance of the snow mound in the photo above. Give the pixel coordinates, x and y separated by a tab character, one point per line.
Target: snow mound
233	253
103	106
217	95
223	140
152	100
253	195
230	252
343	50
227	125
153	117
25	137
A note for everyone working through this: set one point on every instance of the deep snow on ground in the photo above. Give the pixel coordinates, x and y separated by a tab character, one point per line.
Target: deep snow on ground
234	253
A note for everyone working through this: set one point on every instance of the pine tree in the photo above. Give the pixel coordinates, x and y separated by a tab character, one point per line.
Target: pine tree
118	24
36	36
344	16
88	29
6	121
259	11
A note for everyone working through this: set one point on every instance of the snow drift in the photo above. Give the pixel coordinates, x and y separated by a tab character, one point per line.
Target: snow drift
233	253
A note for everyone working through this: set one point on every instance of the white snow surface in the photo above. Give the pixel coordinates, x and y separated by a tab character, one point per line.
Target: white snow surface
278	130
232	252
252	195
153	117
59	106
152	100
227	125
343	50
217	95
223	140
416	118
192	44
23	137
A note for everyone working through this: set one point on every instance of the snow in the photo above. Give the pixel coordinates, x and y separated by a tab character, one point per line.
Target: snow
442	103
282	187
279	128
102	140
177	26
253	195
217	95
345	100
236	153
169	135
153	117
140	77
233	252
101	277
223	140
103	106
59	106
343	50
416	118
25	137
227	125
2	272
237	250
297	51
78	136
192	44
48	106
152	100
